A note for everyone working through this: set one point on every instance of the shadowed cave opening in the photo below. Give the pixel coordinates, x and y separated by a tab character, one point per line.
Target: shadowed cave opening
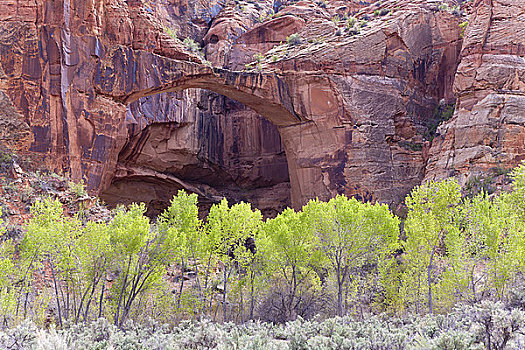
204	143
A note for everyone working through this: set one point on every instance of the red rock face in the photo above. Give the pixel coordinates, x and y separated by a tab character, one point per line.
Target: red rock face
365	101
111	95
487	131
52	55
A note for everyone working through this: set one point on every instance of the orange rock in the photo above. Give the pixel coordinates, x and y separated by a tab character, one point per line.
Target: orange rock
487	131
111	95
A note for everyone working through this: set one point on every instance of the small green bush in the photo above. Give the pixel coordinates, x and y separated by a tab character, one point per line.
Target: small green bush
350	22
442	113
6	160
259	57
192	46
77	188
463	27
294	39
172	33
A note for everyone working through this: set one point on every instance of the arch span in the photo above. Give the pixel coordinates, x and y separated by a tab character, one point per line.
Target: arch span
266	93
303	107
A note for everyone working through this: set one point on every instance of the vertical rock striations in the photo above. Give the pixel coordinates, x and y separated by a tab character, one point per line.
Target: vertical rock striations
487	131
285	102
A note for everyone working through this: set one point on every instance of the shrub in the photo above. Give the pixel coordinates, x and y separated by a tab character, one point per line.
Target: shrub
484	326
171	32
259	57
442	113
192	46
463	27
350	22
6	160
456	11
444	7
294	39
77	188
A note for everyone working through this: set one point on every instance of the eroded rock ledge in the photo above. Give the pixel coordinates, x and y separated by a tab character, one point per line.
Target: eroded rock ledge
110	93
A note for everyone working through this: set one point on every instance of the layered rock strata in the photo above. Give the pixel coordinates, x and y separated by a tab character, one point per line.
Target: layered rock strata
487	132
110	93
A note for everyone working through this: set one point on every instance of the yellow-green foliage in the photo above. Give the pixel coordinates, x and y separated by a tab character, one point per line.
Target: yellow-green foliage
192	46
463	27
335	257
351	234
231	227
172	33
294	39
430	221
288	246
77	188
2	228
7	295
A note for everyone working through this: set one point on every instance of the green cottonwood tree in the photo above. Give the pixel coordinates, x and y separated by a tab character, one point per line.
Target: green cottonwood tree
497	227
141	255
7	271
289	249
51	240
351	232
495	231
180	224
231	227
432	214
517	197
94	256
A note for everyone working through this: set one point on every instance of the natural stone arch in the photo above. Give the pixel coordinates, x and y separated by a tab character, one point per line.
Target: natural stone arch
206	144
266	93
273	97
242	87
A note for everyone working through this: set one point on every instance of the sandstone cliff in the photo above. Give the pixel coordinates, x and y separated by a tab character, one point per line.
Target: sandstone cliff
487	132
286	101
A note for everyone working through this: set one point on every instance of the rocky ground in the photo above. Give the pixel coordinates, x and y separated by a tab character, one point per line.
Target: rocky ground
20	188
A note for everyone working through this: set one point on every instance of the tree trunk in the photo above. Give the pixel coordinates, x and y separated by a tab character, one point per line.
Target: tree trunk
429	292
101	297
56	295
206	278
181	283
429	281
224	294
339	298
252	296
117	313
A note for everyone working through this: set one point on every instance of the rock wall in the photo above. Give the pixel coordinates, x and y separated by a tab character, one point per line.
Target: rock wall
487	132
366	99
352	120
108	91
50	66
